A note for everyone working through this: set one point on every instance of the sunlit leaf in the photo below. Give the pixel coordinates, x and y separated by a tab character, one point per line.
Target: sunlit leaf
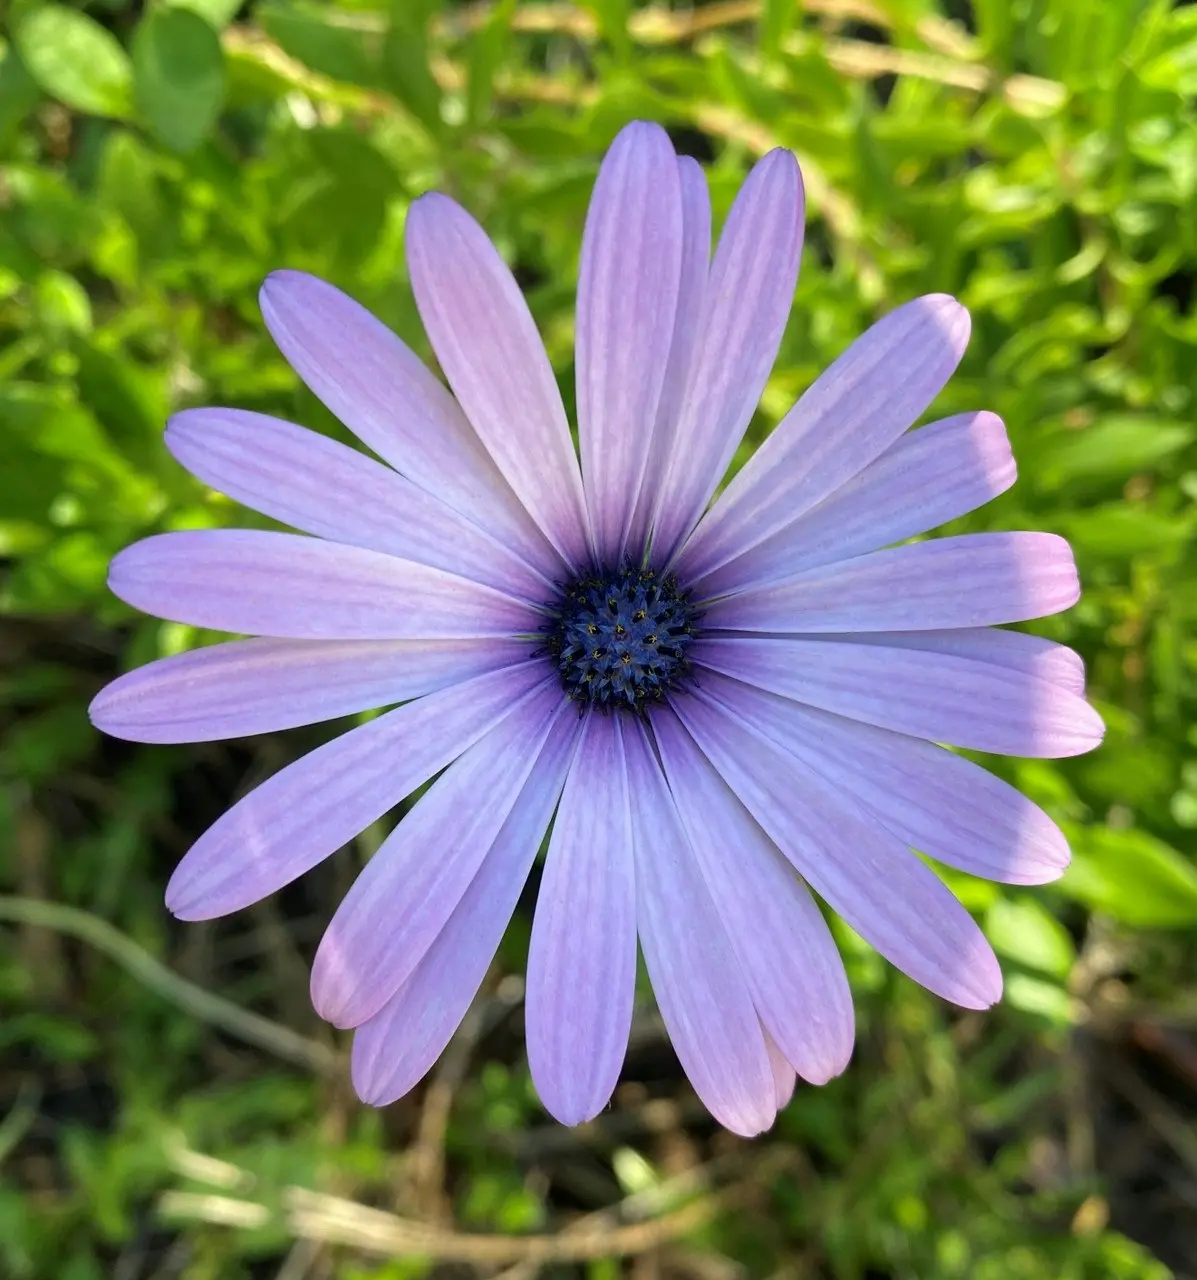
179	76
1134	877
76	60
1023	930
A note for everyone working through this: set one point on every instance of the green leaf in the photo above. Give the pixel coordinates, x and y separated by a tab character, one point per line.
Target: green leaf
1118	529
344	210
18	93
1039	997
1175	67
179	71
612	16
1113	446
1134	877
217	13
128	182
338	51
62	303
777	17
129	401
405	70
1022	930
487	48
76	60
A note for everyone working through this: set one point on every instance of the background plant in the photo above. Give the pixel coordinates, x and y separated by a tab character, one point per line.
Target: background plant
172	1107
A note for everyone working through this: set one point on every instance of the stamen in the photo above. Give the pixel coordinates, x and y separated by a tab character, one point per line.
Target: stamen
618	639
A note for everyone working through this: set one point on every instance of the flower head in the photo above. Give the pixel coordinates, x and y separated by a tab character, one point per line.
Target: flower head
709	707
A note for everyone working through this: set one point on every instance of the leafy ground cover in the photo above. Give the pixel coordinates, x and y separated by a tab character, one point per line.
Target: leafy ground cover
171	1106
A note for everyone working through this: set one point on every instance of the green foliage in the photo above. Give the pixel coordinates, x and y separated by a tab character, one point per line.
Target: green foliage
156	161
179	71
76	60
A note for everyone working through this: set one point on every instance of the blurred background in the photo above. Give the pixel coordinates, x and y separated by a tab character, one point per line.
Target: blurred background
169	1104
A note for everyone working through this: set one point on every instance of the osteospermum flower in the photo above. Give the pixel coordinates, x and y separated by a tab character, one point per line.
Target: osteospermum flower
710	708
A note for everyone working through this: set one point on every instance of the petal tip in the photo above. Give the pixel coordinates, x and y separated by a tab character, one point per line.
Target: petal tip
1090	731
781	158
823	1070
1042	856
572	1112
119	568
749	1120
369	1077
428	204
340	999
781	166
955	318
981	985
104	712
183	429
287	279
184	903
640	132
1042	873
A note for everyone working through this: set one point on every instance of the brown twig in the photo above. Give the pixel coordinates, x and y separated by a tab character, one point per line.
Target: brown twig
424	1194
1169	1124
319	1217
248	1027
655	25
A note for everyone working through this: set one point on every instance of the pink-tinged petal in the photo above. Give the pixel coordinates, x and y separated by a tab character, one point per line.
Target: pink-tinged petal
933	800
582	956
293	587
406	893
319	486
704	1000
858	407
784	946
1013	650
745	307
941	696
627	307
308	810
486	341
261	686
924	479
395	1049
382	391
975	580
784	1076
864	872
696	262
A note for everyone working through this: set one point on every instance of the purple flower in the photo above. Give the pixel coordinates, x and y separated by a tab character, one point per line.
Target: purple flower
713	708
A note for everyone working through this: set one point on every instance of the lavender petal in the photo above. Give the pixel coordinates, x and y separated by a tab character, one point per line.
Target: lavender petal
385	395
582	956
293	587
926	478
784	946
854	410
695	265
974	580
932	799
700	989
393	1050
486	341
863	872
940	696
626	314
406	893
746	305
320	487
308	810
245	687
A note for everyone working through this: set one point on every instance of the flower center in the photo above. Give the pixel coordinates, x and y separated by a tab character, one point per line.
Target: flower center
619	638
